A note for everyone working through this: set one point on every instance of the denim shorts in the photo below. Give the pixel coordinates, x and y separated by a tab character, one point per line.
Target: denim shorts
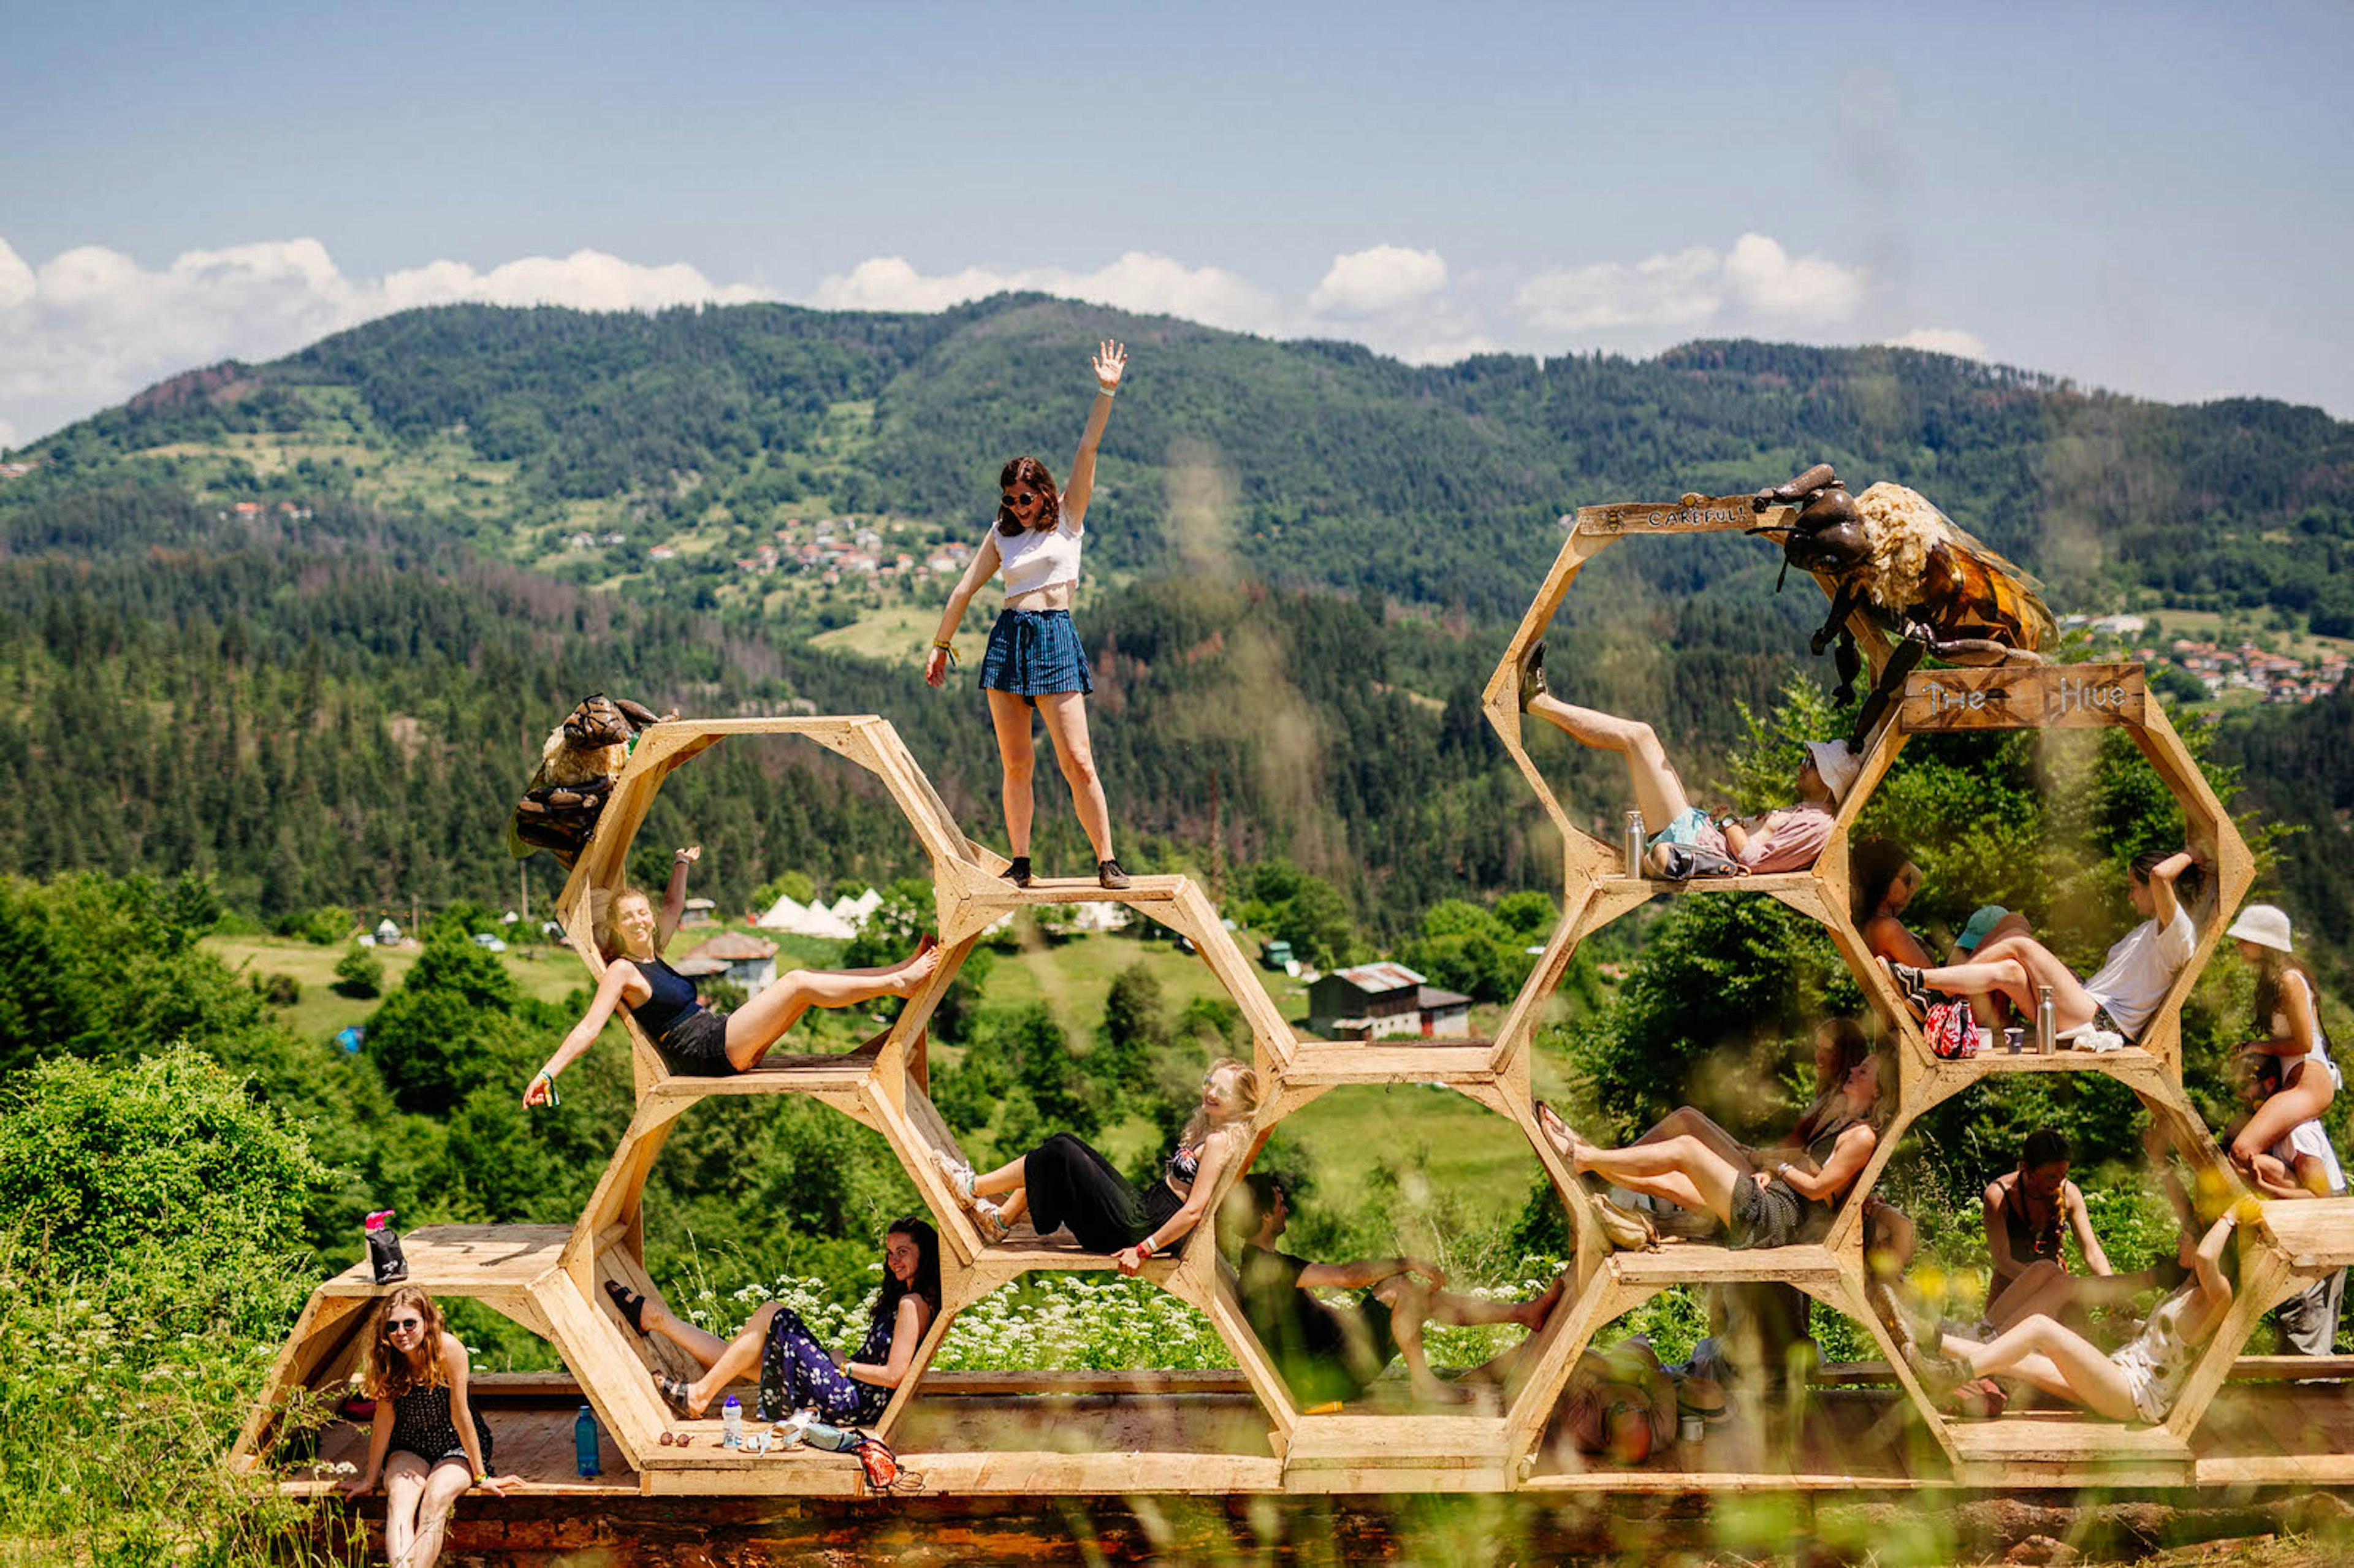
1035	653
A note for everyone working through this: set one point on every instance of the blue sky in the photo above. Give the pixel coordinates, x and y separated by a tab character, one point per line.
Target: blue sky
2153	198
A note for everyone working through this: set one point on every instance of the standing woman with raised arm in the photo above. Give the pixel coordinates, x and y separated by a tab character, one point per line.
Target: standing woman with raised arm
1034	659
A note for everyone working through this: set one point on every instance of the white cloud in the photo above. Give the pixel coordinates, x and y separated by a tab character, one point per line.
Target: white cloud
1943	340
1373	283
90	327
1138	282
1757	282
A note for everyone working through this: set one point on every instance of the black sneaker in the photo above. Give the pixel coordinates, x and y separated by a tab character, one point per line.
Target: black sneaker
1018	873
1108	872
1908	984
1533	676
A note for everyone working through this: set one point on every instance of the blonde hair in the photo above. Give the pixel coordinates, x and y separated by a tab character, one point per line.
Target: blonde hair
1245	1091
389	1373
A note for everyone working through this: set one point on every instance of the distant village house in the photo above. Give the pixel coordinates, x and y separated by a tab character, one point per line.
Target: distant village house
1383	1002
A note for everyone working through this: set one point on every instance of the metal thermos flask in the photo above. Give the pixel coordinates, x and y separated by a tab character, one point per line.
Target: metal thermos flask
2047	1036
1635	837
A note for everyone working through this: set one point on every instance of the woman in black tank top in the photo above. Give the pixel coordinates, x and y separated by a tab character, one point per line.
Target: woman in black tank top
694	1042
429	1443
1772	1207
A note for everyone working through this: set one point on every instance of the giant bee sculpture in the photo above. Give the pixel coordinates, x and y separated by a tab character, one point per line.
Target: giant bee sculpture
578	766
1923	579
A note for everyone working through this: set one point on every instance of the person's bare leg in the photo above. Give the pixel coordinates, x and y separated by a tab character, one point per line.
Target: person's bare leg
1009	715
1684	1121
1658	790
2013	968
2305	1093
1013	1210
1007	1178
403	1492
1408	1300
2055	1358
1065	713
444	1487
741	1355
1684	1170
755	1027
704	1345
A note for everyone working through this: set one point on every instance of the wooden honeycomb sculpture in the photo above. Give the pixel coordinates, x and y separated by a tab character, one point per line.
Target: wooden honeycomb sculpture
549	1278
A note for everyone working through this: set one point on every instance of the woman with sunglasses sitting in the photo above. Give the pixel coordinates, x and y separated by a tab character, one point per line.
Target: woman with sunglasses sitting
429	1443
1034	659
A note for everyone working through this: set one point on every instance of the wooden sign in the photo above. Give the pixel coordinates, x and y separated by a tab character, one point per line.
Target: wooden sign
2028	696
1705	514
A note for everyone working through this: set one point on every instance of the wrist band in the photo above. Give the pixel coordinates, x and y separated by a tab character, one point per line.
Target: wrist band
1104	391
950	651
553	1097
1144	1249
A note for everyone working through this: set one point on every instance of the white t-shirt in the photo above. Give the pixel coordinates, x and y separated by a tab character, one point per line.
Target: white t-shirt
2311	1139
2135	975
1040	557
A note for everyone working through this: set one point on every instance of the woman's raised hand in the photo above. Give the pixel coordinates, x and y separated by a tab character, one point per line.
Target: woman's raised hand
1110	360
690	854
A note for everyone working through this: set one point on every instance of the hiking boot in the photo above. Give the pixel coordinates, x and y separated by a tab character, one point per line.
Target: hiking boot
1018	872
1533	676
1108	872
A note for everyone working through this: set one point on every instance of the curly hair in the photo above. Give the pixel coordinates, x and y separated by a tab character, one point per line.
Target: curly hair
391	1374
1030	473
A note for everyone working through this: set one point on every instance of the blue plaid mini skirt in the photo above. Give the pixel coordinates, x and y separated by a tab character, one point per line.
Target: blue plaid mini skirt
1034	652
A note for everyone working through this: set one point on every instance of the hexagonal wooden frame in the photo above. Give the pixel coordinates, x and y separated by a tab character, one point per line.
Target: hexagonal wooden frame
1596	891
549	1278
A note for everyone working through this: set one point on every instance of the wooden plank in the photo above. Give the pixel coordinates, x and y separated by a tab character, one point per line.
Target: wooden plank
1067	1475
2024	696
2315	1234
2064	1439
1693	515
1697	1263
464	1260
1331	1062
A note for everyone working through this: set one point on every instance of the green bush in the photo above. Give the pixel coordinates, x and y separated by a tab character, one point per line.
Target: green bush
359	973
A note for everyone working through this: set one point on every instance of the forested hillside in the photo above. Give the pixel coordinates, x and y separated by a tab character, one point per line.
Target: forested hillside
1307	559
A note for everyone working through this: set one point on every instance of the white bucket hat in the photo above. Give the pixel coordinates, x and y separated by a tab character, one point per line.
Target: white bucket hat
2263	924
1836	764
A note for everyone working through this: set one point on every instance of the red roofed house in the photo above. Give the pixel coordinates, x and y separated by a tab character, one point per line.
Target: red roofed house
1383	1001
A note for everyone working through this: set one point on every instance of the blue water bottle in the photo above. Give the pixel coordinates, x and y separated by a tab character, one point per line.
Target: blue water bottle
584	1440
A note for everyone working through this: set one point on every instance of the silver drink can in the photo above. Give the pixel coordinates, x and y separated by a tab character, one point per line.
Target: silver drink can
1634	841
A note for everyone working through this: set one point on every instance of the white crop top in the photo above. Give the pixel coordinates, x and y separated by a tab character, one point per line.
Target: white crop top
1040	557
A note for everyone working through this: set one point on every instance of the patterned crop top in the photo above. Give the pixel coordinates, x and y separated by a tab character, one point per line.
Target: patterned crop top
1183	1165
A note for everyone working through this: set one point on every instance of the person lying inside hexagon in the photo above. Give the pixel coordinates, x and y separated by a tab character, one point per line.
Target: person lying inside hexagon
693	1040
2119	1000
2137	1382
1791	1201
1686	839
1328	1354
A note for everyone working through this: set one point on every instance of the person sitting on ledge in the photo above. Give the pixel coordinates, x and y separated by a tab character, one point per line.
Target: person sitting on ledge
1785	839
693	1040
796	1373
1326	1353
2287	1012
1792	1201
2303	1164
2138	1382
1063	1183
1884	880
2121	997
2028	1213
427	1442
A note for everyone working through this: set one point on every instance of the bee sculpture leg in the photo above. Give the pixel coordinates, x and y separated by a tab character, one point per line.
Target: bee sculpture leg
1902	659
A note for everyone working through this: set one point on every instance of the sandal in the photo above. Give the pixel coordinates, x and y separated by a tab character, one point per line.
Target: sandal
676	1393
629	1303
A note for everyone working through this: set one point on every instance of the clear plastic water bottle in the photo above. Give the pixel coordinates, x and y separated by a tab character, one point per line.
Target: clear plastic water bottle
584	1441
731	1416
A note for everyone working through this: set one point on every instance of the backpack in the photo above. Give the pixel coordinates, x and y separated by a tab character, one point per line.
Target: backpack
1952	1028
